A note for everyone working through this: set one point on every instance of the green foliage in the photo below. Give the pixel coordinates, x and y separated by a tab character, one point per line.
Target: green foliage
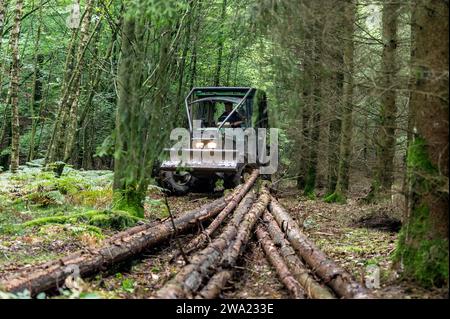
45	199
157	208
103	219
92	197
72	218
114	219
310	183
335	197
19	295
107	147
423	253
130	201
128	285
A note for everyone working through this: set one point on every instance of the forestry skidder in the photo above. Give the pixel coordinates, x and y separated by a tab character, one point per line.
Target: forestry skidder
225	136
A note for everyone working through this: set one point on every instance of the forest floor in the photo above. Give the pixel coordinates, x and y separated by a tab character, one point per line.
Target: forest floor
43	218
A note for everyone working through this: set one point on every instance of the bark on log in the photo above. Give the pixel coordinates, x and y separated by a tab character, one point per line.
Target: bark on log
201	238
312	288
333	275
214	207
244	232
119	248
276	260
203	263
215	285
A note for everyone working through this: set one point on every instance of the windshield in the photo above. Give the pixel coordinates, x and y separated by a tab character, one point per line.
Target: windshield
212	112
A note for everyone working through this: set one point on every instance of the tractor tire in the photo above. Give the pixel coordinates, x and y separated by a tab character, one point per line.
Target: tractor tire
232	180
169	181
203	185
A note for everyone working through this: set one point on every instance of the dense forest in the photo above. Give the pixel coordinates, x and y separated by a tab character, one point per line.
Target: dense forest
91	90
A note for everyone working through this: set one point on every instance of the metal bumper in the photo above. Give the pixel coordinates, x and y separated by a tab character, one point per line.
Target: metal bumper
219	167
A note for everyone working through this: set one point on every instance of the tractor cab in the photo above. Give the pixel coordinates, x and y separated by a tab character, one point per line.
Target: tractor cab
213	153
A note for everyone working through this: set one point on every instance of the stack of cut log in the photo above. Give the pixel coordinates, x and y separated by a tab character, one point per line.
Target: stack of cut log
305	271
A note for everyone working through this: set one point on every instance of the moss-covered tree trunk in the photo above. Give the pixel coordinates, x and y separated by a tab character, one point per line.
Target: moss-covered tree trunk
423	243
2	26
317	78
384	174
347	105
305	104
36	94
336	87
128	195
13	98
6	123
335	131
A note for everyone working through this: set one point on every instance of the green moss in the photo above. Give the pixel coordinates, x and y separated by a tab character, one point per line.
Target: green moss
335	197
426	260
157	208
104	219
114	219
130	201
310	183
86	216
418	158
91	198
422	252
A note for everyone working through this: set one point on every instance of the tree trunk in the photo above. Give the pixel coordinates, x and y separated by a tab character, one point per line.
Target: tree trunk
6	121
14	87
220	44
61	142
36	94
335	130
386	138
423	242
317	78
347	111
127	194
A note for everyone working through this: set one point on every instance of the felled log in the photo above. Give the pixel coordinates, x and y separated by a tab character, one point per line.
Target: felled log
333	275
203	263
276	260
120	247
244	232
215	285
213	208
312	288
202	237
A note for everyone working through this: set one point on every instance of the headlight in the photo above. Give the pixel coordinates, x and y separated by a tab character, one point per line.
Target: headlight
211	145
199	145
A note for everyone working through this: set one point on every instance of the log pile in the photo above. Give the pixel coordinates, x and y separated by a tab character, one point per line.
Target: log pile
310	285
305	271
278	263
123	246
189	279
333	275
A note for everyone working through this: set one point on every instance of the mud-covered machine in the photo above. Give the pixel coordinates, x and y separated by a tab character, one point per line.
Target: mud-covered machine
209	110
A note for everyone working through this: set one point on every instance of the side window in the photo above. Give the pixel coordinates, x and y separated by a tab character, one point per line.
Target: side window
261	115
219	109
